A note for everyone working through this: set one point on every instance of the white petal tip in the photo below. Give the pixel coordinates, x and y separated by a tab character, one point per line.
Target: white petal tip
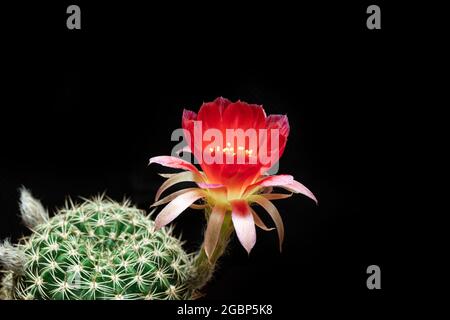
249	246
248	250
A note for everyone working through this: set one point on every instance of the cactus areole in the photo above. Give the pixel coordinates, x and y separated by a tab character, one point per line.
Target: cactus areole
101	249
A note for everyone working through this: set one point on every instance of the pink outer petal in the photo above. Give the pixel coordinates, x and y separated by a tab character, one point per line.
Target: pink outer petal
243	223
297	187
209	185
187	124
172	196
275	196
274	214
188	115
271	181
259	222
280	122
213	230
198	206
173	162
177	206
185	176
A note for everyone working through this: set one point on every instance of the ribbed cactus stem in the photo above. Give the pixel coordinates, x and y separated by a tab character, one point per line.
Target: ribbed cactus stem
204	267
99	249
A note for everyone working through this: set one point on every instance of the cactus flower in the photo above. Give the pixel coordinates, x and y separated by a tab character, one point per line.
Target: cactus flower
234	172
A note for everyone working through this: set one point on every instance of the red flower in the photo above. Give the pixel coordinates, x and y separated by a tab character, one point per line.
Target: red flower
235	144
221	115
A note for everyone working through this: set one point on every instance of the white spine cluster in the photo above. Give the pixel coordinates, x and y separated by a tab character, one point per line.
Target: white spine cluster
31	209
11	257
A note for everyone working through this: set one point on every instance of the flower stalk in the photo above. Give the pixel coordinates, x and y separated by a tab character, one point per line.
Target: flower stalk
203	266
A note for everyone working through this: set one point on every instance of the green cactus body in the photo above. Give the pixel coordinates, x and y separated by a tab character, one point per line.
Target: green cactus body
102	250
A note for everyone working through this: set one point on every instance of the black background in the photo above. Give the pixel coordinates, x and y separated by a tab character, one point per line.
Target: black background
84	110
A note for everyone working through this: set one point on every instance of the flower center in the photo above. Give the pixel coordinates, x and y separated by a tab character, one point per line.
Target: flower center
229	150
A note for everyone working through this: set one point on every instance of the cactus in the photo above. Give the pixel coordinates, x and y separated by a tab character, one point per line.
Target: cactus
99	249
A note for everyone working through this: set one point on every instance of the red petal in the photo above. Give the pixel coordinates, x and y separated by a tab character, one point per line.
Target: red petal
210	113
241	115
243	223
173	162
